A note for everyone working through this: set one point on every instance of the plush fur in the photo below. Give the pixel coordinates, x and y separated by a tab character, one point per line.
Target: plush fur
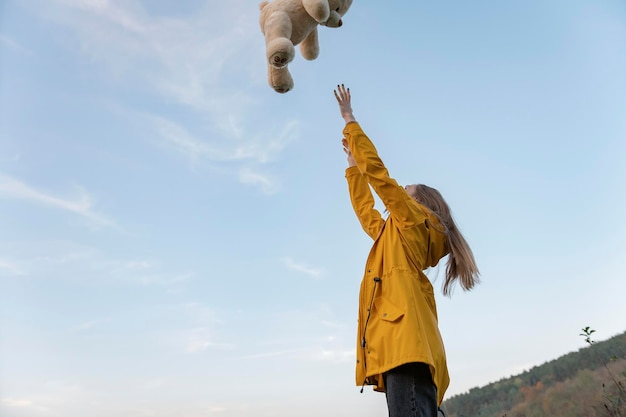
286	23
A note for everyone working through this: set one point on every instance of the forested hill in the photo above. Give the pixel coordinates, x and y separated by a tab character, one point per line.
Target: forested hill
588	383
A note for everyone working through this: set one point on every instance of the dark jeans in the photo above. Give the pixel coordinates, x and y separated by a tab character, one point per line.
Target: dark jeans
410	391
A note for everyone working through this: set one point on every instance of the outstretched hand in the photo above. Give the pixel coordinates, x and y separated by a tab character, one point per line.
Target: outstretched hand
342	94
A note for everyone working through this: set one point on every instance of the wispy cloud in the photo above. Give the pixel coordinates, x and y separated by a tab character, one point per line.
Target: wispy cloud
198	340
67	261
267	184
200	332
307	354
200	313
189	60
83	205
253	152
164	279
10	267
258	148
274	354
180	139
334	355
88	325
14	402
203	65
264	149
12	44
22	403
303	335
301	267
108	10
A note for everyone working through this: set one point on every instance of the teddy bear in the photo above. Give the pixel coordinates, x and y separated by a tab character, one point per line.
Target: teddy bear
286	23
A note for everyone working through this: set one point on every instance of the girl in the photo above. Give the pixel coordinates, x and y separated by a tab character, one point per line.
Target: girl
399	347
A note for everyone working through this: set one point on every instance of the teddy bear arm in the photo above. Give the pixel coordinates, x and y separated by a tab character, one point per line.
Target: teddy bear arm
310	47
317	9
277	25
278	30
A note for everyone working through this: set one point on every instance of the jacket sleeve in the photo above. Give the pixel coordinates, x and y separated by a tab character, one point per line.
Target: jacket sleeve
371	167
363	203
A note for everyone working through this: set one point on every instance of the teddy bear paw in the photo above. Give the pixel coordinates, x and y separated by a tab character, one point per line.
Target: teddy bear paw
282	84
279	60
280	52
280	80
281	89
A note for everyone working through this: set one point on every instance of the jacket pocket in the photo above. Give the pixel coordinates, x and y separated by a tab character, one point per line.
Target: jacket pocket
387	310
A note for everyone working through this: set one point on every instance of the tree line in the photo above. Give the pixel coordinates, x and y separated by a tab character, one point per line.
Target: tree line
586	383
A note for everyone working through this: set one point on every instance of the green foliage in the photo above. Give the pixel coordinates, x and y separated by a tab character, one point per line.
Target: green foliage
587	335
613	400
579	384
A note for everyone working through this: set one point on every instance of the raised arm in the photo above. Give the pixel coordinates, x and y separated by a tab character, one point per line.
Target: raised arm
371	167
361	198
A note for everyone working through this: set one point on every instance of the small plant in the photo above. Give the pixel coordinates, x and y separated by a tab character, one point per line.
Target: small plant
587	331
616	402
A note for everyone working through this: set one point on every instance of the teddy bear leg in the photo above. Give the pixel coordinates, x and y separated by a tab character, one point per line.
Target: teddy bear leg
317	9
279	79
310	47
279	48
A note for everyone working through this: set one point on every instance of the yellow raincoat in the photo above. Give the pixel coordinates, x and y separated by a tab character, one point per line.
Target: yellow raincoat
397	313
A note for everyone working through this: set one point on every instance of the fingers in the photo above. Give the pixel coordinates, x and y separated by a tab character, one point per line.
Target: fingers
344	93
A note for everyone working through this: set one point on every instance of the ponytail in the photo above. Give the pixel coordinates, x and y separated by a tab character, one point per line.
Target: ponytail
461	263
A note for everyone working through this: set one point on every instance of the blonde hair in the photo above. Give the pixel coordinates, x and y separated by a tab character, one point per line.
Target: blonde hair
461	264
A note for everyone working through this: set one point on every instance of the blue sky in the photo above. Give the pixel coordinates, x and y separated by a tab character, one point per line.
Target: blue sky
176	238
